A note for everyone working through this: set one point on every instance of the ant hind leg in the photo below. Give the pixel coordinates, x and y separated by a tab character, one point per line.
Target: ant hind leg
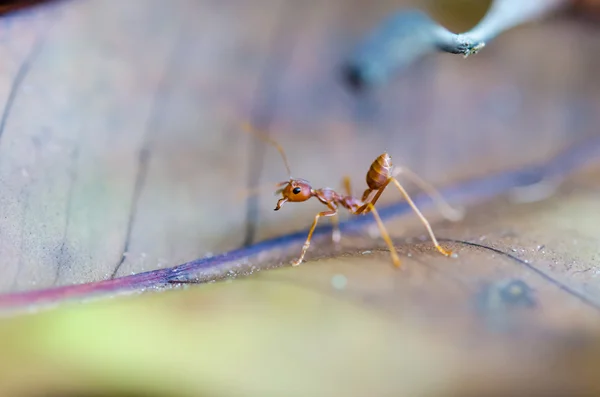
422	218
447	211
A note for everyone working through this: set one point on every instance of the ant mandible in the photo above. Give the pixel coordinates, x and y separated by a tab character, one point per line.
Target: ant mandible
380	175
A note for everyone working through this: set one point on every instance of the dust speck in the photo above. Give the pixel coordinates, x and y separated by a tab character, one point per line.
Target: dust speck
366	252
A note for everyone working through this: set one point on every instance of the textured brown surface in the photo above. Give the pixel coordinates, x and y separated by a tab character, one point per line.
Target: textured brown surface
120	152
120	149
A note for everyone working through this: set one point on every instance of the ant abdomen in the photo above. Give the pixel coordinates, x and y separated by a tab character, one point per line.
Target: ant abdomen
379	173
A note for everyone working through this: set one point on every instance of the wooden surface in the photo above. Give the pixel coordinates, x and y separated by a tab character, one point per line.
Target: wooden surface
120	148
423	330
551	246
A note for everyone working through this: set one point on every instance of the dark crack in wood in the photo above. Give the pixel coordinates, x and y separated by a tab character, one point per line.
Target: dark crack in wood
565	288
61	261
18	80
146	148
279	55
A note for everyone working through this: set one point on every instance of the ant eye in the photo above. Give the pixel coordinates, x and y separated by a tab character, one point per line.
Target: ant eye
296	190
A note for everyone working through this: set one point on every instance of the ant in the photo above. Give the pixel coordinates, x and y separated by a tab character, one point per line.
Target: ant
380	175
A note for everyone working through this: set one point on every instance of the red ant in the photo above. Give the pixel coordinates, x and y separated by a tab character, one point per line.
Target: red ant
380	175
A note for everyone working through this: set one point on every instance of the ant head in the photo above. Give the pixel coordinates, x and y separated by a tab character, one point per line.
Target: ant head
294	190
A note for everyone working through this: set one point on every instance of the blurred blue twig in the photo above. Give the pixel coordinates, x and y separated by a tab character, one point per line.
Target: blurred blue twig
410	34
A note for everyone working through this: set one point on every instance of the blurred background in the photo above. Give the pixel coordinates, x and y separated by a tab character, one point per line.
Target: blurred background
121	153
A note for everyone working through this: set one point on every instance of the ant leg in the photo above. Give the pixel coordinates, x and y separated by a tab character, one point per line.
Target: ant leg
385	235
442	205
347	185
332	212
363	209
423	219
336	234
366	194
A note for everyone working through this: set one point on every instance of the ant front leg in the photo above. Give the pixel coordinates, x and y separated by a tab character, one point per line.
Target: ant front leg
331	212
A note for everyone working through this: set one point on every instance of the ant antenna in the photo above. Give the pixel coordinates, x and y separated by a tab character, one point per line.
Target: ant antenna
248	128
